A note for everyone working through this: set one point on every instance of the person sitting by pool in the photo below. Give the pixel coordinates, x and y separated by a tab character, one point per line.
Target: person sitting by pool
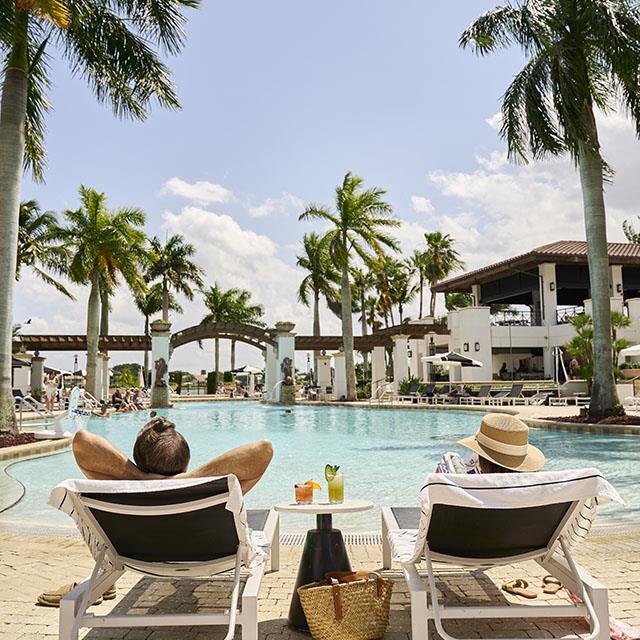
160	451
501	445
116	399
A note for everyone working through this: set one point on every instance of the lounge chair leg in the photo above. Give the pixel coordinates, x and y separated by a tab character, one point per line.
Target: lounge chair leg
250	594
275	547
418	594
386	547
66	629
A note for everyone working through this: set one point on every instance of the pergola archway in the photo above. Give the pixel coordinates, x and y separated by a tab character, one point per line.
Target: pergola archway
250	334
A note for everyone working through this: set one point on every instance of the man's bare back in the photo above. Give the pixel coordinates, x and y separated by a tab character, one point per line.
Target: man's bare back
100	460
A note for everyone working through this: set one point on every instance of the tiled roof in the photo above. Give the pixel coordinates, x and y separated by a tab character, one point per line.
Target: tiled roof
562	251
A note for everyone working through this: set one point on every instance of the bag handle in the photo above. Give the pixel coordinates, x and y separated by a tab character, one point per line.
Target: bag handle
336	578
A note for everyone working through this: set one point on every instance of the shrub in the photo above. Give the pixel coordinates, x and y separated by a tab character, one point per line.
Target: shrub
212	382
227	376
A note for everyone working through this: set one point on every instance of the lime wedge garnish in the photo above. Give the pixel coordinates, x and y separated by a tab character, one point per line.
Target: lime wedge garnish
330	471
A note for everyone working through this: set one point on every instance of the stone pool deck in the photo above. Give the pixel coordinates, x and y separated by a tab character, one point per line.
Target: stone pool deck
31	563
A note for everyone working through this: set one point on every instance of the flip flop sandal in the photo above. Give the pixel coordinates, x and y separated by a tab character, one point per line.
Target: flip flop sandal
52	598
551	585
110	593
519	588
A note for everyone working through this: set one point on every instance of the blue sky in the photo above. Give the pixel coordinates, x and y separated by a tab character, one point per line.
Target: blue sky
280	99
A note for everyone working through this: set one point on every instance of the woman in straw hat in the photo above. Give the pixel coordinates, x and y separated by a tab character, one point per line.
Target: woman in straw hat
502	445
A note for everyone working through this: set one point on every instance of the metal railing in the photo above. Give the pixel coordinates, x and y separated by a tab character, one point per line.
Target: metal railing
33	405
514	318
563	316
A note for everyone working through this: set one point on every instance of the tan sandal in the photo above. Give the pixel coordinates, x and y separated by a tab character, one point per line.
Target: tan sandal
52	598
551	585
519	588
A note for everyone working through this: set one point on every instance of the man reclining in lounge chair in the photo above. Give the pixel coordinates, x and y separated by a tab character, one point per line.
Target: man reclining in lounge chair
159	452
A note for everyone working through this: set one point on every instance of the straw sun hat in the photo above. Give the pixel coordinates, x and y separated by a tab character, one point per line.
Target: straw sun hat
504	440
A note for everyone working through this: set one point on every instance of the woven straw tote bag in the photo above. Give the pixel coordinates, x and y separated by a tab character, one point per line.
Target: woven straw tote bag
347	606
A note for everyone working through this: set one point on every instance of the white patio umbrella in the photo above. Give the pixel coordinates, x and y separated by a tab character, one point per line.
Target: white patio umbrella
452	358
631	352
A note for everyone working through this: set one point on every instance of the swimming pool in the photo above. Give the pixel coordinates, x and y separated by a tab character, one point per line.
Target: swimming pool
384	454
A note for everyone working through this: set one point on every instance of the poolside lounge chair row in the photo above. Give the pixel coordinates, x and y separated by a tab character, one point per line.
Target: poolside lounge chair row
198	528
458	394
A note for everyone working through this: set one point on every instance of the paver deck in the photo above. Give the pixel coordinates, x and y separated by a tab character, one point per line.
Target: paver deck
30	564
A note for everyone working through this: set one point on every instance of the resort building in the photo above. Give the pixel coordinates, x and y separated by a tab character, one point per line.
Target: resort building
521	307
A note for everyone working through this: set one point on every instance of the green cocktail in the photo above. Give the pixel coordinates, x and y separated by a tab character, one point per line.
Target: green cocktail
335	484
336	489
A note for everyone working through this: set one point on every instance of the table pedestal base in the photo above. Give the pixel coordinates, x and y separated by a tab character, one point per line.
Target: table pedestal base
324	551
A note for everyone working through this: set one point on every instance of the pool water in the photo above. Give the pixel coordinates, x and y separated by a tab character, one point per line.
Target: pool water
384	455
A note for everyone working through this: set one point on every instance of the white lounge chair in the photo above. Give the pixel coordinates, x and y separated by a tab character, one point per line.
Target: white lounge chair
181	528
475	520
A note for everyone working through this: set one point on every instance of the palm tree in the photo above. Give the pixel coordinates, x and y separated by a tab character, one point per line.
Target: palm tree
149	303
38	248
418	266
580	55
111	46
321	279
385	270
362	281
360	226
441	260
246	313
172	265
403	290
104	246
229	305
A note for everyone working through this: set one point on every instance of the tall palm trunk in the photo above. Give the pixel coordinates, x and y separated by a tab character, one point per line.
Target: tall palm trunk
93	336
604	400
233	355
12	119
421	293
432	300
363	329
165	301
347	334
216	358
146	353
316	331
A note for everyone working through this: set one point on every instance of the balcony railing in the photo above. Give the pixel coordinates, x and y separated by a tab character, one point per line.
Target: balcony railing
563	316
513	318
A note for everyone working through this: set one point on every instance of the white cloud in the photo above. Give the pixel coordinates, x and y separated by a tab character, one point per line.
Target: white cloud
286	203
495	121
500	210
421	204
201	192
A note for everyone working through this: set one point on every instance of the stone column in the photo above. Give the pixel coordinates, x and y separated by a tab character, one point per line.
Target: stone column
477	294
400	360
323	375
414	360
105	376
285	389
378	373
549	302
339	376
37	375
160	344
270	368
617	285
